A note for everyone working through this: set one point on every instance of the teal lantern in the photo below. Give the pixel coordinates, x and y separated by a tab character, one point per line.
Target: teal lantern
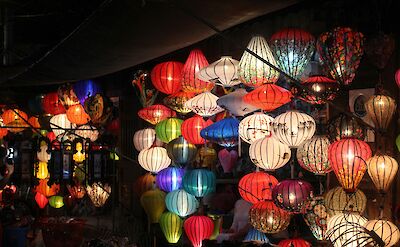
168	129
199	182
171	226
181	203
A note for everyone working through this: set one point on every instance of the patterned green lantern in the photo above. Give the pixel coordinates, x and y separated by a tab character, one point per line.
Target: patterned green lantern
171	226
169	129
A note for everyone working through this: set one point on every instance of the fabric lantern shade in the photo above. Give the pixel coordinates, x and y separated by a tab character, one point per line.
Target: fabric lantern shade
3	132
99	108
382	169
257	237
171	226
15	119
42	171
181	203
85	89
255	126
166	77
46	190
224	132
224	71
252	71
43	155
98	193
204	104
319	89
347	158
294	242
177	101
170	179
144	138
59	123
34	122
227	159
41	200
315	215
380	108
292	194
77	191
206	157
346	230
144	183
269	154
51	104
344	126
193	64
153	203
191	128
338	201
268	97
180	151
77	115
386	231
154	159
397	77
268	218
234	103
87	132
257	186
198	228
313	155
56	201
156	113
199	182
168	129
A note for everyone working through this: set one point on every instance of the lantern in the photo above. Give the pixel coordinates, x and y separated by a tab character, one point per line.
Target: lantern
255	127
180	151
347	158
34	122
192	127
60	125
99	108
206	157
293	128
76	191
190	82
15	119
171	226
313	155
268	218
227	159
46	190
386	231
170	179
257	237
292	194
398	142
144	183
223	71
199	182
257	186
338	201
42	171
380	108
204	104
397	77
252	71
234	103
154	159
153	203
87	132
98	193
382	169
344	126
51	104
293	49
67	95
268	97
269	154
156	113
144	138
198	228
166	77
177	101
347	230
77	115
315	215
85	89
56	201
168	129
41	200
181	203
319	89
294	242
43	155
224	132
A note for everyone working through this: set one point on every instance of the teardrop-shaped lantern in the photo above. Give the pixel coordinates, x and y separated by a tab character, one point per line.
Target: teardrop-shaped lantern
380	108
292	194
313	155
180	151
256	237
382	169
98	193
224	71
76	114
198	228
268	218
56	201
344	126
181	203
144	183
224	132
153	203
346	230
269	154
315	215
204	104
42	171
338	201
257	186
255	126
268	97
166	77
199	182
171	226
294	242
41	200
319	89
168	129
156	113
170	179
192	127
154	159
387	231
193	64
177	101
234	103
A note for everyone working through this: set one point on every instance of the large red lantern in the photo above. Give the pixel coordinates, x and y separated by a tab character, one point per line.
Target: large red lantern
198	228
319	89
268	97
156	113
166	77
257	186
292	194
76	114
41	200
190	82
51	104
191	127
268	218
294	242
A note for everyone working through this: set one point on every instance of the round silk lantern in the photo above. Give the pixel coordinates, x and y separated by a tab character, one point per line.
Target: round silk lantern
344	126
56	201
85	89
223	71
292	194
199	182
234	103
42	171
168	129
51	104
257	186
191	128
320	89
46	190
252	71
177	101
257	237
166	77
77	115
315	215
269	154
198	228
380	108
16	119
268	218
171	226
294	242
156	113
313	155
98	193
344	230
382	169
181	203
268	97
190	82
170	179
255	127
60	122
204	104
386	231
87	132
144	183
347	158
144	138
153	203
180	151
154	159
41	200
338	201
224	132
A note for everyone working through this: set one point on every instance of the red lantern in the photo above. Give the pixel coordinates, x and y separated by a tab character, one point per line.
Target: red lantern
198	228
46	190
34	121
41	200
319	89
51	104
268	97
257	186
268	218
156	113
166	77
3	132
292	194
193	64
191	128
294	242
144	183
76	114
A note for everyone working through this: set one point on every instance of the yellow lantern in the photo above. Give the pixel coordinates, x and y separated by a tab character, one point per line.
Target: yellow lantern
382	169
42	171
153	202
386	230
171	226
79	156
338	201
381	109
98	193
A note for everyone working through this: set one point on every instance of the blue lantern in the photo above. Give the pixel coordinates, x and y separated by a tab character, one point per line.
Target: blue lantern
170	179
257	237
85	89
181	203
199	182
224	132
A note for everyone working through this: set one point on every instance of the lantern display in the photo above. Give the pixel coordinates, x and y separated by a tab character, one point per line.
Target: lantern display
87	132
51	104
34	122
382	169
344	126
170	179
268	218
294	242
255	126
224	132
76	191
313	155
191	128
340	53
168	129
347	158
85	89
99	108
153	203
252	71
166	77
180	151
144	183
338	201
156	113
386	231
190	82
319	89
67	95
154	159
199	182
56	201
98	193
380	108
347	230
60	125
42	171
293	49
77	115
15	119
268	97
204	104
46	190
198	228
257	237
171	226
269	154
181	203
234	103
397	77
315	215
144	138
227	159
224	71
177	101
206	157
41	200
292	194
257	186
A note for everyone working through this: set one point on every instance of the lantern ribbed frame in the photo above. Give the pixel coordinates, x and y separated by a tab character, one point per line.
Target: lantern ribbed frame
198	228
292	194
181	203
154	159
382	169
386	230
234	103
170	179
381	108
319	89
315	215
269	154
204	104
190	83
338	201
180	151
168	129
225	132
294	242
343	126
313	155
171	226
257	186
199	182
255	126
144	183
88	132
156	113
153	203
224	71
144	138
51	104
268	97
191	128
61	121
166	77
76	114
177	101
268	218
254	235
98	193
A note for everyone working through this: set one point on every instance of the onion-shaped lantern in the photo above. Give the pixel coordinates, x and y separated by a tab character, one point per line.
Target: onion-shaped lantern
190	82
177	101
315	215
168	129
76	114
180	151
338	201
268	97
344	126
347	230
386	231
257	186
144	183
15	118
46	190
60	125
224	132
154	159
255	126
224	71
252	71
268	218
181	203
41	200
382	169
87	132
319	89
51	104
170	179
198	228
269	154
313	155
380	108
191	128
85	89
234	103
153	203
156	113
56	201
347	158
256	237
98	193
199	182
294	242
171	226
204	104
144	138
166	77
292	194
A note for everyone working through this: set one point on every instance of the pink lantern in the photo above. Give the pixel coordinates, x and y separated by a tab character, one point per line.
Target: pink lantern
397	77
227	159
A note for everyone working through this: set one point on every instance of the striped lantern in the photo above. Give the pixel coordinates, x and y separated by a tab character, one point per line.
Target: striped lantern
255	126
198	228
338	201
313	155
268	218
60	122
234	103
257	186
144	183
386	231
382	169
192	127
177	101
170	179
166	77
153	203
381	108
190	82
181	203
144	138
343	126
180	151
223	71
154	159
87	132
292	194
199	182
168	129
171	226
224	132
269	154
204	104
156	113
257	237
294	242
268	97
347	229
15	118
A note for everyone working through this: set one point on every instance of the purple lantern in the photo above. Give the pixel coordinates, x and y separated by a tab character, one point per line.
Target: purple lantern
292	194
170	179
85	89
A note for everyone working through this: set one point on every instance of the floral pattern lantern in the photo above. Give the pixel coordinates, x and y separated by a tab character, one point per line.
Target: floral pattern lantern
257	186
168	129
166	77
344	126
268	97
87	132
338	201
144	138
294	242
180	151
268	218
387	231
154	159
319	89
234	103
346	229
224	132
292	194
170	179
204	104
41	200
181	203
256	237
224	71
98	193
171	226
156	113
381	108
315	215
85	89
76	114
198	228
56	201
269	154
313	155
144	183
177	101
255	126
193	64
153	203
382	169
199	182
51	104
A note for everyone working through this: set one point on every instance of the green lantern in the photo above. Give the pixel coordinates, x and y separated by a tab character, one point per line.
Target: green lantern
56	201
153	203
171	226
168	129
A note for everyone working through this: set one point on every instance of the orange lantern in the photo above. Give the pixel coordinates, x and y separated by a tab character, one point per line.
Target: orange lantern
156	113
76	114
15	118
193	64
34	121
191	127
268	97
51	104
144	183
46	190
77	191
166	77
257	186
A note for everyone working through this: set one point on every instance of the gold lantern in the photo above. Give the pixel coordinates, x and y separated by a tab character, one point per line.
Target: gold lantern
338	201
153	202
42	171
381	109
382	169
98	193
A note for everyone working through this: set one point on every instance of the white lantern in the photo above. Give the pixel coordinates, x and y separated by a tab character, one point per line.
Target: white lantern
233	102
338	201
87	132
223	70
347	230
154	159
42	154
144	138
60	122
313	155
204	104
256	126
386	230
98	193
293	128
382	169
269	154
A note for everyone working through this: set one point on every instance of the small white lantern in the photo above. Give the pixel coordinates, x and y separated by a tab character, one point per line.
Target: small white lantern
144	138
204	104
269	154
154	159
223	70
256	126
233	102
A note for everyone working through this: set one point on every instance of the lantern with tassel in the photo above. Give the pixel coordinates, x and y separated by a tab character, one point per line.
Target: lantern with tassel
98	193
223	71
192	127
198	228
177	101
156	113
292	194
166	77
180	151
199	182
224	132
338	201
154	159
168	129
257	186
153	203
313	155
382	169
181	203
204	104
380	108
268	218
269	154
234	103
190	82
170	179
255	126
268	97
171	226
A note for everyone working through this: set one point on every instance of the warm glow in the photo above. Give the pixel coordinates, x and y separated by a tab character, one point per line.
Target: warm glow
98	193
382	169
